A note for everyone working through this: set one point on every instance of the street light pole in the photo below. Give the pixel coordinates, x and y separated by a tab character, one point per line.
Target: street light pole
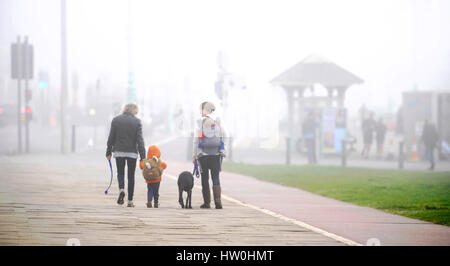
19	102
131	89
63	76
27	75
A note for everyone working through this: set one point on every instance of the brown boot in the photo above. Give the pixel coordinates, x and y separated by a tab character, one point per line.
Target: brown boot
206	199
217	201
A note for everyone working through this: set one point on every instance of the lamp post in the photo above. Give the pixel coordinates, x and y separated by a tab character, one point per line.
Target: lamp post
63	99
131	90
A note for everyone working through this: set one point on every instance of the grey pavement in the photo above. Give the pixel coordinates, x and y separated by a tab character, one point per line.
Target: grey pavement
50	198
46	199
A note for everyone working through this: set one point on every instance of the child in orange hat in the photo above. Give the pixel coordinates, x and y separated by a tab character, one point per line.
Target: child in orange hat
153	185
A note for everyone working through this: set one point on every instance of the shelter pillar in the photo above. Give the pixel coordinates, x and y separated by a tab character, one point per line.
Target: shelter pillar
290	102
341	96
330	96
300	104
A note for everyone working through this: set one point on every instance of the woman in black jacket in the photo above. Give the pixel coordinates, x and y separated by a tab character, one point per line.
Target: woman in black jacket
125	141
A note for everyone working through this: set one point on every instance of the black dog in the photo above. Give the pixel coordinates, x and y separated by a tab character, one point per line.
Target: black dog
185	183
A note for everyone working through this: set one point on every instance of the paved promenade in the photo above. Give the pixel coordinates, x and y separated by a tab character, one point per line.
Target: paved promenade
352	222
48	199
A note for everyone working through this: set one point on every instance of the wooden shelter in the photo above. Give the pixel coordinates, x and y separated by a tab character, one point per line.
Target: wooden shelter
303	76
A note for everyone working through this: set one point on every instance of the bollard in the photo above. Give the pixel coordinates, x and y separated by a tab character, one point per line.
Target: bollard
230	148
288	151
73	138
344	153
190	147
400	155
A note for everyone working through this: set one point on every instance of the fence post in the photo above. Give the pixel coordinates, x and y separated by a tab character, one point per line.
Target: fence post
400	155
190	147
230	148
288	151
73	138
344	153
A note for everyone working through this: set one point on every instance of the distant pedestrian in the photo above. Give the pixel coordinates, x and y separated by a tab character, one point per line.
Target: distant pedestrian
430	139
380	136
368	128
363	113
125	142
309	135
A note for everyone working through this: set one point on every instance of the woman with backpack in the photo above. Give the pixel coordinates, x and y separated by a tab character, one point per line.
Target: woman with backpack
209	150
125	142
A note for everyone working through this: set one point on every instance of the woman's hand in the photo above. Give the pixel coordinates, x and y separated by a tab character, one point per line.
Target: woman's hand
194	158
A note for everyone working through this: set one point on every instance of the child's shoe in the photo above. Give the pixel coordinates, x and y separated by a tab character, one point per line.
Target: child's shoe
130	204
149	204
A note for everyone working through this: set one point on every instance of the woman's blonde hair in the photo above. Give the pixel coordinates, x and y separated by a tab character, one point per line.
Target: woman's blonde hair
208	107
130	108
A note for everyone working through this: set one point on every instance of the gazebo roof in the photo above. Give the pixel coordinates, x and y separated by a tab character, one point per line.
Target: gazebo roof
314	69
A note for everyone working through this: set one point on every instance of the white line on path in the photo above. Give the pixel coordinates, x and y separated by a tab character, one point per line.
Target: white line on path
284	218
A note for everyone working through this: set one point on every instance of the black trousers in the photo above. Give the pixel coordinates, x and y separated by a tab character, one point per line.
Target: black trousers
210	163
131	164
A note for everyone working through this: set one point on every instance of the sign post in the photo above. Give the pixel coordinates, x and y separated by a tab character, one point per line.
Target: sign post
22	69
28	74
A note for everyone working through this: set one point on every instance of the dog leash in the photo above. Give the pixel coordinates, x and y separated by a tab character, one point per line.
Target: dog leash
110	182
196	170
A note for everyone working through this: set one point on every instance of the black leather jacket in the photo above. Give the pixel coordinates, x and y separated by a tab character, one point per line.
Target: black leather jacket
125	135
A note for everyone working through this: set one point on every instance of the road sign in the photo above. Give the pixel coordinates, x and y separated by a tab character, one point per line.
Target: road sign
22	69
22	61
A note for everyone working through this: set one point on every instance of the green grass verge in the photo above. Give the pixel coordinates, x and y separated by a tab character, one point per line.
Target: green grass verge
420	195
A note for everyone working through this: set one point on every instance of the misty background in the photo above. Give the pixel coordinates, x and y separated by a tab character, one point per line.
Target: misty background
174	49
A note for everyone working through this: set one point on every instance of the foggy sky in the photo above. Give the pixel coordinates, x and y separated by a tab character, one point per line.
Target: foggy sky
391	45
